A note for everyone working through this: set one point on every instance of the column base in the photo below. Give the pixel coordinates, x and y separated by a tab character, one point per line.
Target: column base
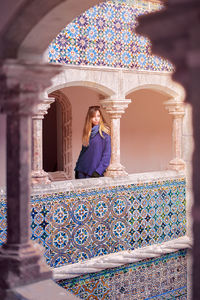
21	265
177	165
40	177
116	170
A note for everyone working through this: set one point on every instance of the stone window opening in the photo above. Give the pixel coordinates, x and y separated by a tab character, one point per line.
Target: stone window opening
57	136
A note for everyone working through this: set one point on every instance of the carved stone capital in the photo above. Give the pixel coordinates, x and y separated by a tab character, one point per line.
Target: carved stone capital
177	164
22	85
115	107
176	109
43	107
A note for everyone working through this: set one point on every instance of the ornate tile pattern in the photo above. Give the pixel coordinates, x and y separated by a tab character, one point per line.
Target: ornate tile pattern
3	222
105	36
78	225
163	278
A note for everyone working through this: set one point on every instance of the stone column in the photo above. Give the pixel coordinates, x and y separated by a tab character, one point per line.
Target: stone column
38	174
115	108
176	109
21	84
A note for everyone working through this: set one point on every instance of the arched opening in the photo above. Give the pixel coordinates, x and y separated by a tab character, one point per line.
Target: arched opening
146	132
57	136
62	129
50	139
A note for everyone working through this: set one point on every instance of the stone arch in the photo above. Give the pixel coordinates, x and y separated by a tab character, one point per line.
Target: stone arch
102	89
53	14
175	107
173	90
65	140
146	132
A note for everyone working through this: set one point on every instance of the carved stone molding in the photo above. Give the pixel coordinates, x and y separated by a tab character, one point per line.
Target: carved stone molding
22	86
115	107
43	107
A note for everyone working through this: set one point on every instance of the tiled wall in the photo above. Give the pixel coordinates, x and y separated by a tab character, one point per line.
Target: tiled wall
161	278
78	225
105	35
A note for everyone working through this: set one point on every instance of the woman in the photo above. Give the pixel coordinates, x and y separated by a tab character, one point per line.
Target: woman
95	155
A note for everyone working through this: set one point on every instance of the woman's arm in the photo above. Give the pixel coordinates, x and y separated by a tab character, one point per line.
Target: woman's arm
105	160
81	153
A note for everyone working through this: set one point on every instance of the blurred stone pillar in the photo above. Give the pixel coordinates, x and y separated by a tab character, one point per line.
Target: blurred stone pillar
21	85
174	33
115	108
176	110
39	176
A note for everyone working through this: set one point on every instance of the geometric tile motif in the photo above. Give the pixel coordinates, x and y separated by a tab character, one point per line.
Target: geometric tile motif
159	278
77	225
3	222
104	35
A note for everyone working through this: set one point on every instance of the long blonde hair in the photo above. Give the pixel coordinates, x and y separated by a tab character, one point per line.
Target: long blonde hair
103	127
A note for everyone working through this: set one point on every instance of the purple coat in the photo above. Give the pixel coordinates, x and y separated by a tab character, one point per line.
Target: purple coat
96	156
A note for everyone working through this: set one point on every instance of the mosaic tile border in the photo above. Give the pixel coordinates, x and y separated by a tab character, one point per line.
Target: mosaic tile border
161	278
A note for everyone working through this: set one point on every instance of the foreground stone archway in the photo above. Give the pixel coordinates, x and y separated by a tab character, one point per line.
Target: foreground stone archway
176	39
189	17
22	41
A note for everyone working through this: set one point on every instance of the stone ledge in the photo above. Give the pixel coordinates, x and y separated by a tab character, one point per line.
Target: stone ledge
137	178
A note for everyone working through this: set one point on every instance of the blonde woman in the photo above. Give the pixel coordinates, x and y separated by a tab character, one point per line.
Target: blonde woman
95	155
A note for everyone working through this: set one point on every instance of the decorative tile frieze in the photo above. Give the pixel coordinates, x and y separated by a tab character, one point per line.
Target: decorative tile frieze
78	225
105	35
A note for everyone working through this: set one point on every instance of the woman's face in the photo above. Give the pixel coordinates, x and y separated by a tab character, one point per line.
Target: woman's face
96	118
